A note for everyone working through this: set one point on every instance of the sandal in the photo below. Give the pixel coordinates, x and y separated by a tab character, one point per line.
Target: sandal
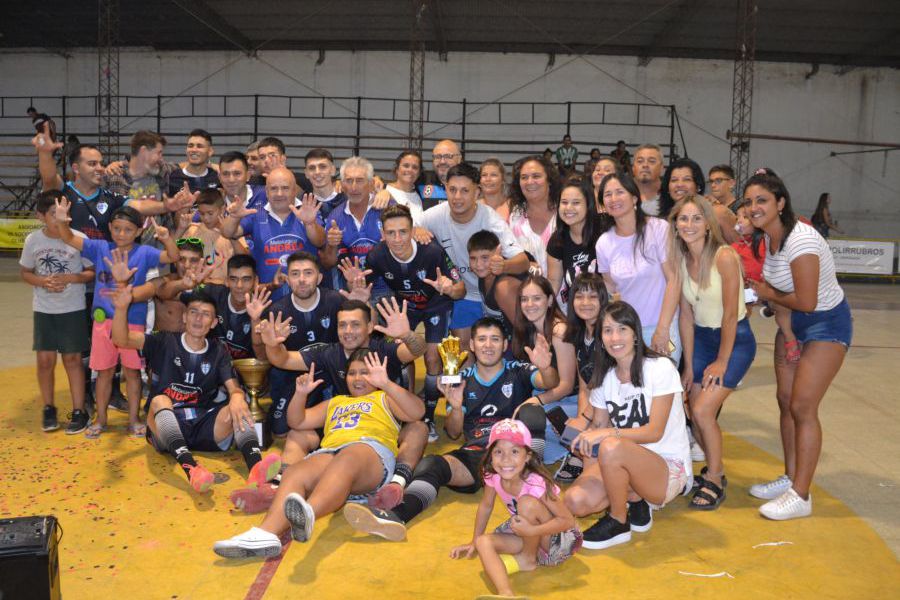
94	430
699	479
137	430
710	502
569	470
793	351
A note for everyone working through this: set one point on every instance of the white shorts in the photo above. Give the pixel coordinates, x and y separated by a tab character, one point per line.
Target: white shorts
678	480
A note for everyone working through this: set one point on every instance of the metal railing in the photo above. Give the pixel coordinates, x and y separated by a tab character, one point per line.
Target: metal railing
373	127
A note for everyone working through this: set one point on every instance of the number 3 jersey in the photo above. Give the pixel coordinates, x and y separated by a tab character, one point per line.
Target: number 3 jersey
350	419
191	379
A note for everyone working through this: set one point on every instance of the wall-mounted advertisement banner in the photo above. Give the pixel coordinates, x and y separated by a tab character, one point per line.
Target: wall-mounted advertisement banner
866	257
14	231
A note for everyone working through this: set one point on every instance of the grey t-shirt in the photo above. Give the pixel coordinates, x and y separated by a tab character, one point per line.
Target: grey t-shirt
46	255
455	236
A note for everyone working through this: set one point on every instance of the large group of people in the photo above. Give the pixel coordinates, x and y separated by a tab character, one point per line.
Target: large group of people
599	322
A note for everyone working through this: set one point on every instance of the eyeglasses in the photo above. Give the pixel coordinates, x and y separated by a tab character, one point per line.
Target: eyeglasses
192	241
445	156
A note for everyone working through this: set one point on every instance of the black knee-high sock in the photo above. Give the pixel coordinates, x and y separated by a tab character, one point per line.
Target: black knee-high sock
170	437
431	396
536	421
247	442
430	475
402	474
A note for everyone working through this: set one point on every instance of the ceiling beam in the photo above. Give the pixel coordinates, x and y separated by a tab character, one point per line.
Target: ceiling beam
201	11
671	30
437	24
877	48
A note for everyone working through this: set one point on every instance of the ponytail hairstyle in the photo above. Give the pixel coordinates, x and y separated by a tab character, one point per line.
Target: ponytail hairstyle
767	179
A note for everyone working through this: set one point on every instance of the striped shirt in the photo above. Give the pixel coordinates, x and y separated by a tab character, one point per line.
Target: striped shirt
804	240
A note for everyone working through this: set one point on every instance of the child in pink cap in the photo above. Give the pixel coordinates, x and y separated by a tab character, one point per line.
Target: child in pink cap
540	530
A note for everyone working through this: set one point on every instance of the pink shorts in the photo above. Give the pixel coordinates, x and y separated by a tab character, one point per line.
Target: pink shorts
678	479
105	354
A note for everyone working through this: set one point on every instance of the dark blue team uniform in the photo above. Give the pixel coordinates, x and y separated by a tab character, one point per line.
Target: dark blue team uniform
91	214
192	381
405	279
196	183
232	327
331	362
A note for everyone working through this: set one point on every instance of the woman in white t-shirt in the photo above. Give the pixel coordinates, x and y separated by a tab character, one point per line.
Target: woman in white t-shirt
633	257
798	274
533	200
407	169
636	451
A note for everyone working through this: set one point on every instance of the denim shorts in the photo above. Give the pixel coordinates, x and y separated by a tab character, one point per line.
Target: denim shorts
832	325
388	460
706	350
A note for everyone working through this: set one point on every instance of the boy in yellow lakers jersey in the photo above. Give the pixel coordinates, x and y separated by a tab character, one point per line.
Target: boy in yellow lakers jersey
356	456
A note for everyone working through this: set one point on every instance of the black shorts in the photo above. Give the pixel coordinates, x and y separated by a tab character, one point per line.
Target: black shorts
199	433
437	322
470	457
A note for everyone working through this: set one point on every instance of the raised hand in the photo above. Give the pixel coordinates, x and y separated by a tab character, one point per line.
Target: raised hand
539	355
257	303
204	273
308	209
497	262
358	290
378	376
395	319
161	233
184	198
305	383
61	209
118	267
453	394
185	220
275	331
122	298
238	209
441	283
43	143
351	270
422	235
334	236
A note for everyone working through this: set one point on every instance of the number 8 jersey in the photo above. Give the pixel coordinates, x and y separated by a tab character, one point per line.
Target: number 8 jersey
351	418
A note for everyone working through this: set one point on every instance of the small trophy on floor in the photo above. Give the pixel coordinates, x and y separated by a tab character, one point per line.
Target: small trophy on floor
453	359
253	374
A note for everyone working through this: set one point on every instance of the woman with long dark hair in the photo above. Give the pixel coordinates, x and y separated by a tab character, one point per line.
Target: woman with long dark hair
719	346
572	246
633	257
537	313
636	452
533	199
821	218
798	274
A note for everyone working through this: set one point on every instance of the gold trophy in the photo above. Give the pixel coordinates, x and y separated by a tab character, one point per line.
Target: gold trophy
453	360
253	374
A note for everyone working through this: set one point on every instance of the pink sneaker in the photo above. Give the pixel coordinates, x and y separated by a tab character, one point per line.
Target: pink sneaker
201	479
387	497
265	470
252	500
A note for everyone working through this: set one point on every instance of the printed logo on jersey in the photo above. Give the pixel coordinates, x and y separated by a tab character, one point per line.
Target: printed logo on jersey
205	368
388	275
507	389
488	410
182	394
325	321
246	328
435	319
102	207
421	274
278	248
177	361
428	191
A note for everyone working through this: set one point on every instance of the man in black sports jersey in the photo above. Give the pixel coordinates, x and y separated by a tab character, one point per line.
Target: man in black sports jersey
421	274
313	313
197	172
355	329
493	389
239	307
185	411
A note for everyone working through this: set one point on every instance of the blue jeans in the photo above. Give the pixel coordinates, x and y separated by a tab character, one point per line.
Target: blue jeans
553	450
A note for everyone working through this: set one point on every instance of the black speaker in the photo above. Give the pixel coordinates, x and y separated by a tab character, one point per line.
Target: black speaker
29	563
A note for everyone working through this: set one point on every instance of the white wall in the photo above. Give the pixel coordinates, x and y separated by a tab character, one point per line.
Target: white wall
859	105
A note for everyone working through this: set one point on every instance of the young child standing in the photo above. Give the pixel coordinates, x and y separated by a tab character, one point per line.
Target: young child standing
125	227
58	274
540	530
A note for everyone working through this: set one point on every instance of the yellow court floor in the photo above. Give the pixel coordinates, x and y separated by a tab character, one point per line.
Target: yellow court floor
133	529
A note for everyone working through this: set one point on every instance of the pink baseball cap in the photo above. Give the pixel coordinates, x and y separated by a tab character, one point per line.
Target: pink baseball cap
510	430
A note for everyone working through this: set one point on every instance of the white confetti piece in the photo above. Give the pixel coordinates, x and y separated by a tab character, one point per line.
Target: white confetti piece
772	544
886	485
721	574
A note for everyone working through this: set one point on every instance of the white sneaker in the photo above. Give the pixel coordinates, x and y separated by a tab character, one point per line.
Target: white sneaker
771	489
433	435
697	453
789	505
300	515
255	542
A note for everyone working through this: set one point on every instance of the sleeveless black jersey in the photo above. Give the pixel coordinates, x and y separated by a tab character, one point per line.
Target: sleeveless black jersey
196	183
331	362
190	379
584	354
232	327
315	326
91	214
487	402
405	279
